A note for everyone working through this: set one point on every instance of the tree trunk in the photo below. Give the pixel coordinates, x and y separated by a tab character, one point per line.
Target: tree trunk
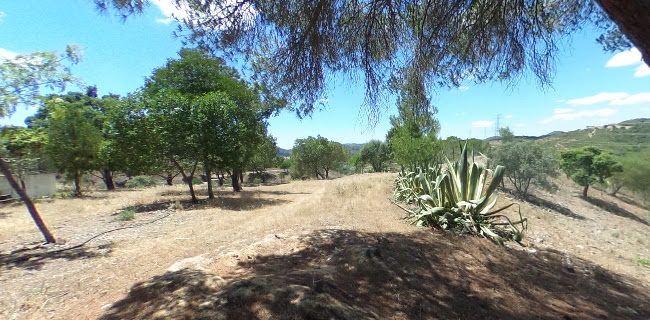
49	237
187	178
327	173
631	16
77	184
236	187
169	179
616	190
241	177
221	179
208	175
584	191
108	180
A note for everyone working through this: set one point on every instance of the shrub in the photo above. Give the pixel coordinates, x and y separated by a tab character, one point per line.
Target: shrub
141	182
458	197
126	215
526	163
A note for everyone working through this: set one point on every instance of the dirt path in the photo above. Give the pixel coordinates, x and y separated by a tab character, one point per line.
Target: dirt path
313	237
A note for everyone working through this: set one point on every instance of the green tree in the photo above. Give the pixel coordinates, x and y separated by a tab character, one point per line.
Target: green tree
265	156
334	156
635	176
356	163
412	137
525	163
316	156
194	78
73	142
588	165
506	135
377	154
21	79
24	151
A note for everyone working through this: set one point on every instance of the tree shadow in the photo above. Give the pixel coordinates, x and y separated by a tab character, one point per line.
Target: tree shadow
4	214
631	202
613	208
35	258
343	274
553	206
242	201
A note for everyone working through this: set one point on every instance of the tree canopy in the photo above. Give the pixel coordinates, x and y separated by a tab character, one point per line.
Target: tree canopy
588	165
316	156
297	46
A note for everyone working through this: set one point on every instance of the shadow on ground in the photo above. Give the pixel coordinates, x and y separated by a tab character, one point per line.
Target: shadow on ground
242	201
553	206
631	202
613	208
35	258
342	274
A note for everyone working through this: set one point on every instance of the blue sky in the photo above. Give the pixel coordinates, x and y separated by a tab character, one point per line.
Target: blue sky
591	87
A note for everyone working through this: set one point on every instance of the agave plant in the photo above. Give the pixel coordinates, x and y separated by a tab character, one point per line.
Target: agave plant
458	196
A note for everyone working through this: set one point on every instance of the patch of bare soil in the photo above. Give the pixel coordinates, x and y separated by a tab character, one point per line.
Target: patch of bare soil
335	249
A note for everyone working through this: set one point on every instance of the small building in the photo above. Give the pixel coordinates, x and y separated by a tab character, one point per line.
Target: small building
37	185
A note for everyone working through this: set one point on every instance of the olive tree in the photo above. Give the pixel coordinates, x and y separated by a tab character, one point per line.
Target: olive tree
588	165
525	163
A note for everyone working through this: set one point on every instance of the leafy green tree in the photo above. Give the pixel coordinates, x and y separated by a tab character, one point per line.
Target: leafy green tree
412	137
588	165
316	156
21	79
356	163
525	163
377	154
334	156
635	176
285	164
265	156
73	142
506	135
22	76
24	150
193	81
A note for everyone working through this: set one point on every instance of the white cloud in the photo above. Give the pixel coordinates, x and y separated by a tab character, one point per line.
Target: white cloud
625	58
169	9
613	99
172	12
165	21
599	98
7	55
568	114
632	99
463	88
482	124
642	71
2	15
509	116
560	100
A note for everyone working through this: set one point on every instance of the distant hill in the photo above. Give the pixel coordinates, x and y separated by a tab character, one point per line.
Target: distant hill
354	148
284	152
630	136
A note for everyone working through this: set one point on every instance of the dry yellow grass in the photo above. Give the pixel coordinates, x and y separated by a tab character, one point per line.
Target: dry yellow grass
268	230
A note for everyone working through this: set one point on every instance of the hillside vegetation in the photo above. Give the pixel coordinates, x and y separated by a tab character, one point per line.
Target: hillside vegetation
622	139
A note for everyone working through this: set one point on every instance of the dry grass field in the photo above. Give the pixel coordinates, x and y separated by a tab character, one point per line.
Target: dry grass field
335	249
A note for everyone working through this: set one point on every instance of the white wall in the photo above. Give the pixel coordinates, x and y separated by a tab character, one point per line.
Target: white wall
38	185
